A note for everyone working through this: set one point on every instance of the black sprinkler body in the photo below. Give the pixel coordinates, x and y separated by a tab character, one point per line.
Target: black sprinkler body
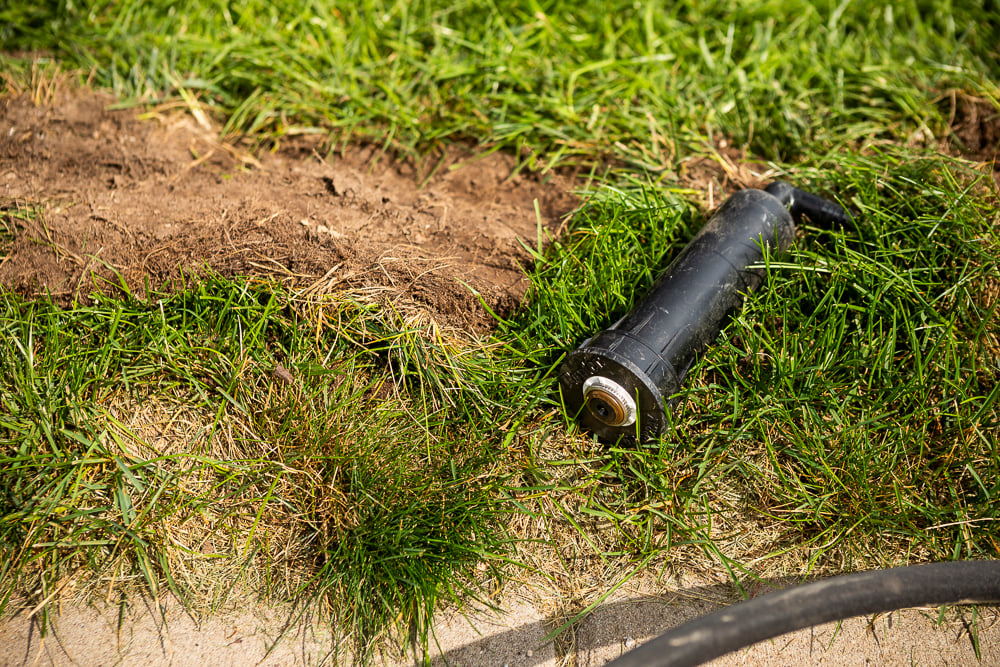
618	382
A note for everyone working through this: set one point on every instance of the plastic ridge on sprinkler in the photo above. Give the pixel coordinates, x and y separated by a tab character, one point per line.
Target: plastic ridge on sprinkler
619	382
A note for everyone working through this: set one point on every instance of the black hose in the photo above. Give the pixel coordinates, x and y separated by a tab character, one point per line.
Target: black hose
746	623
801	203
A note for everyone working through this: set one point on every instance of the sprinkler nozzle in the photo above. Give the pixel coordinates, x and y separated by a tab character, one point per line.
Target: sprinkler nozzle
608	402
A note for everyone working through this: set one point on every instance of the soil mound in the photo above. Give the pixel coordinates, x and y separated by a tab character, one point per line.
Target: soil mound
151	202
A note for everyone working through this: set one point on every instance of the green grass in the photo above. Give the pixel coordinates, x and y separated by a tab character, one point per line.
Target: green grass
854	402
847	419
377	502
556	81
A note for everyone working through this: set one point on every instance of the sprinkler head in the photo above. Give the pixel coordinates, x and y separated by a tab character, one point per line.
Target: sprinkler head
608	402
620	382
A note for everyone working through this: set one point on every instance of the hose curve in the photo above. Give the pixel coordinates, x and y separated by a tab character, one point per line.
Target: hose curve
834	599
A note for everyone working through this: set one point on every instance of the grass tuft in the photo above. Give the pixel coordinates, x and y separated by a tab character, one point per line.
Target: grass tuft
359	494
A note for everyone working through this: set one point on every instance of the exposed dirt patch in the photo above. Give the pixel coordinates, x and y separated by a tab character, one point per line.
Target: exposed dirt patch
975	124
724	171
156	200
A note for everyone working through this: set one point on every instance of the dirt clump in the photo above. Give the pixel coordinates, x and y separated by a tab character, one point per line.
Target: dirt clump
975	127
127	203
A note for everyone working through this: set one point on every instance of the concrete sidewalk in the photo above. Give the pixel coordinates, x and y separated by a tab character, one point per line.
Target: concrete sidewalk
91	636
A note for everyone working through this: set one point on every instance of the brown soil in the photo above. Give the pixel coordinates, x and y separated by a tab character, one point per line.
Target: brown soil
975	124
151	202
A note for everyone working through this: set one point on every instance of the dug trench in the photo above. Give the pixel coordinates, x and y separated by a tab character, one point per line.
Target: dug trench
94	198
98	199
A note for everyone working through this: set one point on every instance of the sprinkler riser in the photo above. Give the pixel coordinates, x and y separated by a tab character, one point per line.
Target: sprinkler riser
648	352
